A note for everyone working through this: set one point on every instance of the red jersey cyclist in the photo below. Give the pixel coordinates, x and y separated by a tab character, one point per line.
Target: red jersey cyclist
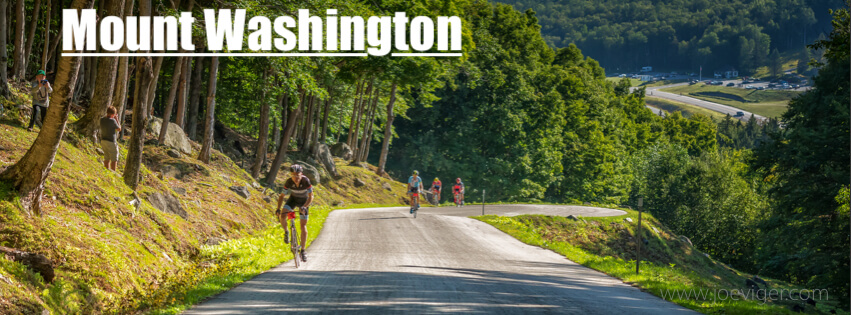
458	191
436	189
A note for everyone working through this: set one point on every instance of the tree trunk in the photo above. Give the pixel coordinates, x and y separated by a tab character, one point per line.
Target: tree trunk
152	88
144	77
89	124
195	89
282	150
305	131
31	37
4	58
363	107
355	105
388	131
263	136
367	128
325	121
178	66
314	135
18	51
91	67
29	174
43	65
207	144
278	123
183	93
119	99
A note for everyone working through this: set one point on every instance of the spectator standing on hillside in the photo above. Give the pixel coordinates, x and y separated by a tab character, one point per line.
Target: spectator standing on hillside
40	92
109	128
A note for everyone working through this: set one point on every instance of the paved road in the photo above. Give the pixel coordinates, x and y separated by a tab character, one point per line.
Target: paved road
721	108
381	260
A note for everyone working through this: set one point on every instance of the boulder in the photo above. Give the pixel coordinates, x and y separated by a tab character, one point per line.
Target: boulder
173	153
241	190
167	203
267	199
179	190
311	172
37	262
342	150
171	171
387	186
327	160
628	220
359	183
573	217
759	280
213	241
174	137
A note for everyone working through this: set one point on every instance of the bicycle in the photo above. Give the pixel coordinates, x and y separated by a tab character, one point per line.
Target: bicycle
415	207
295	245
457	200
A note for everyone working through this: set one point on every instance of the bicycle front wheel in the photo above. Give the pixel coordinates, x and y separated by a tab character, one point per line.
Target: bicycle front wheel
294	243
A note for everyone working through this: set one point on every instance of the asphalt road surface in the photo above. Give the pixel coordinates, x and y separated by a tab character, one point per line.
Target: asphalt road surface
721	108
381	260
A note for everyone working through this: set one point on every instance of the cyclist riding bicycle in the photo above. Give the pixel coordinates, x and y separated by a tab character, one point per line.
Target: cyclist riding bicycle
458	191
435	189
415	185
301	196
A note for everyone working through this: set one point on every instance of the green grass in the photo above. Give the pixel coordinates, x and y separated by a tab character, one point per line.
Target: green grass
768	103
606	244
616	80
687	110
225	265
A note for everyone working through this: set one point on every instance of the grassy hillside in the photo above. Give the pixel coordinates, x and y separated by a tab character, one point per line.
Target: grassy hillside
113	257
768	103
669	262
687	110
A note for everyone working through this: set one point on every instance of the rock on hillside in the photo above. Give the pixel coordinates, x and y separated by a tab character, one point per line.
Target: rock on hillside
109	244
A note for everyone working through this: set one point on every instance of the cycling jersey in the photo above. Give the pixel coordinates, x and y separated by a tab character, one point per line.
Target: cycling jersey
302	190
459	188
414	182
436	185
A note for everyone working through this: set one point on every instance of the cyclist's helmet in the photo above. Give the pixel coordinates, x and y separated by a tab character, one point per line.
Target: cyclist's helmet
436	179
416	172
295	168
458	180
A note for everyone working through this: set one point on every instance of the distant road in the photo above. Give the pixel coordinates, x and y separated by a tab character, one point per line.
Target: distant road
383	261
654	91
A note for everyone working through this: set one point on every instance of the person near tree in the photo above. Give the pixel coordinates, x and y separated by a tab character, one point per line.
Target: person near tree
40	92
109	128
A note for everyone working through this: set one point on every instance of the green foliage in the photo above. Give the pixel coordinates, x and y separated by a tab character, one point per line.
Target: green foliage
625	35
806	236
709	198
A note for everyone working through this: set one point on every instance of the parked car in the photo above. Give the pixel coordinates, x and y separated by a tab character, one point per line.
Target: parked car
740	114
731	84
760	88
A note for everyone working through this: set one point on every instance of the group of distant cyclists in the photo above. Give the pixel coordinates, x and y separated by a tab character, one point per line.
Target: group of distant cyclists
415	186
300	193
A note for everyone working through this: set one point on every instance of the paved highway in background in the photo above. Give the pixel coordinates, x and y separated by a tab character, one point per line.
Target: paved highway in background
381	260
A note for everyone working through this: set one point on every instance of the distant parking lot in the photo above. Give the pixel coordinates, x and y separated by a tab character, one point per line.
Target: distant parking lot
734	83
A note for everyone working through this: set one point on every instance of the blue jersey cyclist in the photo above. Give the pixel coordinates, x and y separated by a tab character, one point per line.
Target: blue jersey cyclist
301	196
415	185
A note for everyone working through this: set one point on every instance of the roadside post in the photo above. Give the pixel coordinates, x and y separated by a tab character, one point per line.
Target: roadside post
483	202
638	236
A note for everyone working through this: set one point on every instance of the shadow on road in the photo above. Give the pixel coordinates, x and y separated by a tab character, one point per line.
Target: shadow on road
428	289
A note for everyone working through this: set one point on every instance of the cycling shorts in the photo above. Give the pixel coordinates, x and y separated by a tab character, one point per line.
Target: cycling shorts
296	203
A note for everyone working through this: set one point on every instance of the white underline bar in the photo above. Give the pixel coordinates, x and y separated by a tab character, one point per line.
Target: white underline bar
256	54
215	54
427	54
